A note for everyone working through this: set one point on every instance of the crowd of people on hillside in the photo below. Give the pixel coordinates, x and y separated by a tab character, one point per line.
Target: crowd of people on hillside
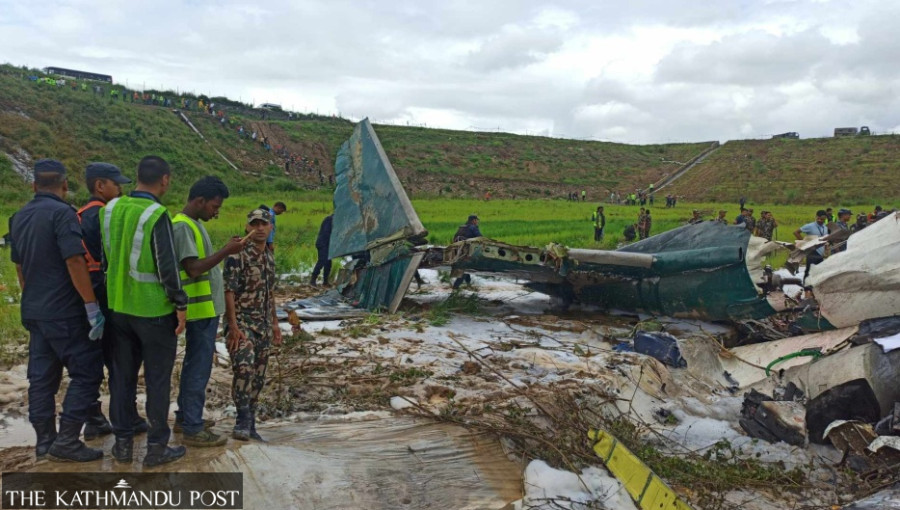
294	163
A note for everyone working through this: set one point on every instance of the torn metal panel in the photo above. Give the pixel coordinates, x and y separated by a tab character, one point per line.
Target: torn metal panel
862	282
383	286
370	206
746	366
697	271
375	222
872	375
328	306
488	255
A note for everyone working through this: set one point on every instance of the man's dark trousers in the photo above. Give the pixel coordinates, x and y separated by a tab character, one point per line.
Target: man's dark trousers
323	264
151	341
811	260
52	346
195	372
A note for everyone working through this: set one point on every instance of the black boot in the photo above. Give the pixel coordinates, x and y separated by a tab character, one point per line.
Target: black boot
140	425
68	448
253	434
123	450
96	425
46	434
242	425
161	454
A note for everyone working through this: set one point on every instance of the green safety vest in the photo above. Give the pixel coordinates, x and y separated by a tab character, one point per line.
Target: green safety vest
132	280
200	299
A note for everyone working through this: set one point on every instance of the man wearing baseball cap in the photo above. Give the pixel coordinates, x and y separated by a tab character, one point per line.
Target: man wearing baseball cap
104	182
816	228
61	314
841	225
251	323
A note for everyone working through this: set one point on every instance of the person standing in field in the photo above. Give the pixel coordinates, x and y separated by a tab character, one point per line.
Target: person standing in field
841	225
648	222
104	182
278	208
642	218
61	314
323	241
818	229
599	220
469	230
695	218
722	219
202	281
766	225
251	321
583	195
750	221
148	309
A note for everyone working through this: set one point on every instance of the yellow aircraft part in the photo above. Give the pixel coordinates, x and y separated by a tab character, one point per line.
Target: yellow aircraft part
642	484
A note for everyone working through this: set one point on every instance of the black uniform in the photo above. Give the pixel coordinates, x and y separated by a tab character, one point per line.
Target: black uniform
322	242
45	233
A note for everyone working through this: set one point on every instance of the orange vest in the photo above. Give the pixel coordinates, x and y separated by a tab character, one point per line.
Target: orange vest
93	265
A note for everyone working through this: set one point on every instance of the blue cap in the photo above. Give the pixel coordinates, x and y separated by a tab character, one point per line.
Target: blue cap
47	166
105	171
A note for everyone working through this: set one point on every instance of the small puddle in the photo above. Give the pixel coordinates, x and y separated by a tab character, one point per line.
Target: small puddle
385	463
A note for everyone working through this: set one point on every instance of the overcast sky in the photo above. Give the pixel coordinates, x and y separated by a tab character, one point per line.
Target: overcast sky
633	71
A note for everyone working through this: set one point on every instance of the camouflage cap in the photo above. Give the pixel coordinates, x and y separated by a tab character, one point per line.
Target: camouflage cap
259	214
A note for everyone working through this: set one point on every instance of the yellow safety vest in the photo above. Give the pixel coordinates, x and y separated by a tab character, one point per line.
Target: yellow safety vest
198	290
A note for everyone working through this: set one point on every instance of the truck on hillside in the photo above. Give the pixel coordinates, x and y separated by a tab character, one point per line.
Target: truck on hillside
852	131
789	134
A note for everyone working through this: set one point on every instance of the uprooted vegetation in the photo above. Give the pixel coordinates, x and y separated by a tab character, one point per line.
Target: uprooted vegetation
499	383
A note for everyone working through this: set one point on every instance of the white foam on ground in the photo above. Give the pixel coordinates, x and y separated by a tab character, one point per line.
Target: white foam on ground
546	487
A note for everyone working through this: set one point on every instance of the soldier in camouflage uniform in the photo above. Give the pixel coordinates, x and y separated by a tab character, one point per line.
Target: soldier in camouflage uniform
648	222
642	218
252	325
766	225
722	219
750	221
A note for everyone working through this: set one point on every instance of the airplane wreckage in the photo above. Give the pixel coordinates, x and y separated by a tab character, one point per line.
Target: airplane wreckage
829	384
707	271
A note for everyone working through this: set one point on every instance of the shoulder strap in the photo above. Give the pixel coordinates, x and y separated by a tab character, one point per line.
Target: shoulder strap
92	203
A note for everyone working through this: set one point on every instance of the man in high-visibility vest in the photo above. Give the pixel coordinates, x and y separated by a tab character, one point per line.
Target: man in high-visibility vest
599	220
104	182
148	309
201	278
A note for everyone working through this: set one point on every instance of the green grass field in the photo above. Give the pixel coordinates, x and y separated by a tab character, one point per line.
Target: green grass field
521	222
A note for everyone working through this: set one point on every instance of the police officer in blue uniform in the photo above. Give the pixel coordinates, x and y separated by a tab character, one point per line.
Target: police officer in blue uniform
61	314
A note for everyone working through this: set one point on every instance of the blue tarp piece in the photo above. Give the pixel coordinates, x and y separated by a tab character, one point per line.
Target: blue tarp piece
661	346
370	205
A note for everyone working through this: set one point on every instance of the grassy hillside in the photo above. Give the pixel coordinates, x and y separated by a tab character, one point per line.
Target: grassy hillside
40	120
464	163
827	171
77	127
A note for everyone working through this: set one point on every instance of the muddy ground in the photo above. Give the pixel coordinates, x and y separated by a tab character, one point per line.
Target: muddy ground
430	405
